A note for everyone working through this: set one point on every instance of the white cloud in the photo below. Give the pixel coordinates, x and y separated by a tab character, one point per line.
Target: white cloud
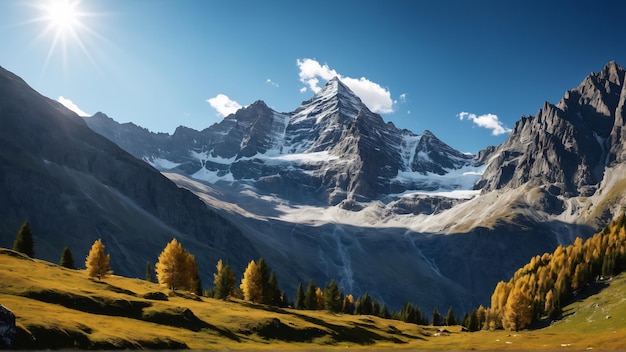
403	97
224	105
489	121
271	83
70	105
377	98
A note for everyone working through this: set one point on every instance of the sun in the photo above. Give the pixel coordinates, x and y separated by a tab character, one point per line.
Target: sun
64	25
62	15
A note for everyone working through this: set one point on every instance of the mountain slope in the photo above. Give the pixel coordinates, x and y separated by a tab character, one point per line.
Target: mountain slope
75	186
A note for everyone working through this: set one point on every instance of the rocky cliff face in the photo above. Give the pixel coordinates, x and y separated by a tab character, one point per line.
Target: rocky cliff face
567	145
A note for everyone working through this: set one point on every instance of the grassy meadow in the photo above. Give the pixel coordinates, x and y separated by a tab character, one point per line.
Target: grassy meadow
58	308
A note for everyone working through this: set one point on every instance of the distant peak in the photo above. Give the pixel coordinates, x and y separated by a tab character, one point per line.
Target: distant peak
613	73
428	133
100	115
335	87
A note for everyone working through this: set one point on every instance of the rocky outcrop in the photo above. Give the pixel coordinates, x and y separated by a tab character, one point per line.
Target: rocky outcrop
567	145
8	331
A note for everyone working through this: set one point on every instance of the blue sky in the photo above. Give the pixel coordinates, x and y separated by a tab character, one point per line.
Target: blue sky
466	70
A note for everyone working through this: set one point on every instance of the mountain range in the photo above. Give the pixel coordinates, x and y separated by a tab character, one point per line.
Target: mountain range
328	191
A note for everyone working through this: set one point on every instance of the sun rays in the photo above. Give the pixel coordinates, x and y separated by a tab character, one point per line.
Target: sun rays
65	25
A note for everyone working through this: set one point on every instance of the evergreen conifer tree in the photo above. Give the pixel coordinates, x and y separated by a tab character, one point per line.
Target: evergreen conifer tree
450	318
264	273
375	307
384	312
299	297
224	281
67	260
332	297
437	318
24	243
273	291
310	301
149	272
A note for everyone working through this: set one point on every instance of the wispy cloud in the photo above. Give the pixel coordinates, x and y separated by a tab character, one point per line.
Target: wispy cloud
224	105
488	121
271	83
70	105
377	98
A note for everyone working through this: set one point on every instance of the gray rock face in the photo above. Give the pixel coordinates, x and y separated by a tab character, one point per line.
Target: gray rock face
569	144
332	148
8	331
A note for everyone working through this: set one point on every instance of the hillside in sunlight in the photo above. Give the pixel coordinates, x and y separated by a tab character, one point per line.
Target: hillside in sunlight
61	308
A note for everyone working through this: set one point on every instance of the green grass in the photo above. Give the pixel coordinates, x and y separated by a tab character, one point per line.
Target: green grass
61	308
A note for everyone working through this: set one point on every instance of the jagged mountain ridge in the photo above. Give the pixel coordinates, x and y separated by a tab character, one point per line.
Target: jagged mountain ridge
75	186
568	145
332	147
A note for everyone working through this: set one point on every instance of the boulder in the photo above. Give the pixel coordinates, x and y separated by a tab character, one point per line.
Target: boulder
7	328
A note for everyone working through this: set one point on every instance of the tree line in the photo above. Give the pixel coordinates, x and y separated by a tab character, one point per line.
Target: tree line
176	269
537	290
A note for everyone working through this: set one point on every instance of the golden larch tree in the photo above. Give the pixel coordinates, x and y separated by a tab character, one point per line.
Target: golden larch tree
319	298
177	268
98	262
518	310
251	283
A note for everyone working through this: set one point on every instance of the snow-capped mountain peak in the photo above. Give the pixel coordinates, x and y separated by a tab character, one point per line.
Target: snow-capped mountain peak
334	97
331	148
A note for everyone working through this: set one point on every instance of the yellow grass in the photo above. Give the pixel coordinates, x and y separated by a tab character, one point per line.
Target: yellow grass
61	308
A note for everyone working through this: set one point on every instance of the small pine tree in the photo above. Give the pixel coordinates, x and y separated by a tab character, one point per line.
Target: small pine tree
375	307
272	293
24	243
437	318
299	297
384	312
264	273
67	260
98	262
450	318
310	301
149	272
364	305
332	297
224	281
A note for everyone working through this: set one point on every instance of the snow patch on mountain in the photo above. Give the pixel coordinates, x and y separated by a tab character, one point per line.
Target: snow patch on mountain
205	156
161	164
408	147
300	158
455	179
212	176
